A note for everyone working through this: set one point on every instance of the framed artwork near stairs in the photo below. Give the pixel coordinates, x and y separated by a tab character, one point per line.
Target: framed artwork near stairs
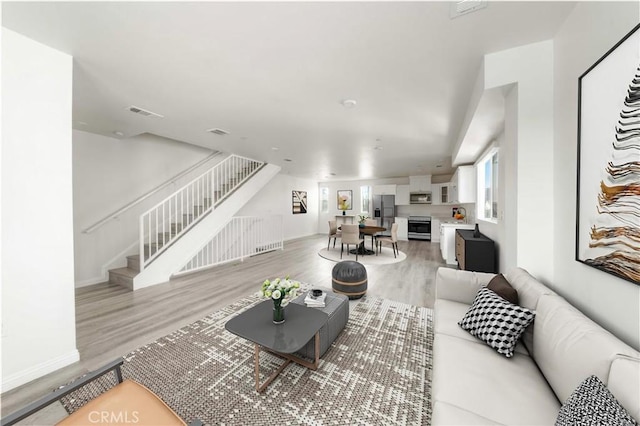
299	202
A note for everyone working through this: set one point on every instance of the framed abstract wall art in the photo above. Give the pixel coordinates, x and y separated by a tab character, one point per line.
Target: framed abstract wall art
299	202
608	198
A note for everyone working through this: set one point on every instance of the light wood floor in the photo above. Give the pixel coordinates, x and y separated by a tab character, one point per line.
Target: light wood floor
112	321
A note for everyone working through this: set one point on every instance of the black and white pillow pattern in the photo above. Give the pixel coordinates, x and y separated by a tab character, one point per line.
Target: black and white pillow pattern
495	321
593	404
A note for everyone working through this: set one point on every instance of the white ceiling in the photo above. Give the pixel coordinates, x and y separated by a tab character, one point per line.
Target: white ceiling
274	74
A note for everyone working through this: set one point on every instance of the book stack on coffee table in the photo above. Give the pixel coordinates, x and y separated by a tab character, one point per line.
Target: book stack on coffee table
315	301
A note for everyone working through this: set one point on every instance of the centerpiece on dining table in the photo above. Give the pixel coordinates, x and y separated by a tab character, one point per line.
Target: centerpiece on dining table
281	291
362	219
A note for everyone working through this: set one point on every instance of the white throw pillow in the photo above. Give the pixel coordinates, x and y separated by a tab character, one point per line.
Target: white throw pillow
593	404
496	321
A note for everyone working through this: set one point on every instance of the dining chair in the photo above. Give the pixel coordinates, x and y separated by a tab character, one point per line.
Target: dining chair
393	240
333	233
350	235
372	222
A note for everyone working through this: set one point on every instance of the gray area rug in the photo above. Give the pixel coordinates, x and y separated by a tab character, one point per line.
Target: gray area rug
377	372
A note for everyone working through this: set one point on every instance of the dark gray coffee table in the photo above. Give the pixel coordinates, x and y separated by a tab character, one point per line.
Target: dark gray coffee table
301	324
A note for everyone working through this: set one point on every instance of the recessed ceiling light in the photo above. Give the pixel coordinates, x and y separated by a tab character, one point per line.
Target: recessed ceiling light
274	148
332	174
349	103
82	123
288	160
438	166
118	133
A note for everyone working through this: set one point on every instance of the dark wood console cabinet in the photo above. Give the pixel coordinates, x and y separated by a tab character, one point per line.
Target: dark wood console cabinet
475	253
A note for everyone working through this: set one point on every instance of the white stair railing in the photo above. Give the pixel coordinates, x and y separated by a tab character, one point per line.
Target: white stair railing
243	236
175	215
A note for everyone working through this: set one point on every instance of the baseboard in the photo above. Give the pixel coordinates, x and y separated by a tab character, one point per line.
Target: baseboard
44	368
92	281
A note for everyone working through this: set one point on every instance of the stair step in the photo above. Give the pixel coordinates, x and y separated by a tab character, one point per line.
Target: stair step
133	262
123	277
198	210
187	219
207	202
176	228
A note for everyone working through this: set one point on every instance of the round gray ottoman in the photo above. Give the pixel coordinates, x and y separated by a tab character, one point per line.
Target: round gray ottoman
349	278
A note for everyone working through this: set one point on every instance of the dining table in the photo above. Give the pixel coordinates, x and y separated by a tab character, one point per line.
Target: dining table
367	230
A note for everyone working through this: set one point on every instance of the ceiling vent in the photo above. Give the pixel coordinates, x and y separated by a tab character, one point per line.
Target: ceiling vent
218	132
144	112
463	7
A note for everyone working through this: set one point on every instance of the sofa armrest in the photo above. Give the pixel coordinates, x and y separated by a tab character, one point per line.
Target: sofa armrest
460	286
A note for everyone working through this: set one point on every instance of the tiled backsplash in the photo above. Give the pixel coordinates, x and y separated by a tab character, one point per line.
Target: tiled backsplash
439	211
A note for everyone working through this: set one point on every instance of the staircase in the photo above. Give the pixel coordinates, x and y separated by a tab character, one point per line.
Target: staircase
165	230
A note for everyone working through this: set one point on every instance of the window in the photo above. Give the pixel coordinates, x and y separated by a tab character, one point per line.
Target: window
365	196
324	200
487	169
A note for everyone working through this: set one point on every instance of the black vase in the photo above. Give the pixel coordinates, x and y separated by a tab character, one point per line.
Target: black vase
476	232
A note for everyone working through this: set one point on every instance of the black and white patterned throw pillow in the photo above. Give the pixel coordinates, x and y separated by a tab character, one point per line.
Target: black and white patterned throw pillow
593	404
495	321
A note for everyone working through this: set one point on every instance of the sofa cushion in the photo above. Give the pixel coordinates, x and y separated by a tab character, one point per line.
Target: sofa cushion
624	383
592	404
502	288
529	292
505	390
447	414
568	346
446	316
496	321
460	286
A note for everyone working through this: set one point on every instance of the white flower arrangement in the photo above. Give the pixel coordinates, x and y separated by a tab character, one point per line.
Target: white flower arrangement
280	290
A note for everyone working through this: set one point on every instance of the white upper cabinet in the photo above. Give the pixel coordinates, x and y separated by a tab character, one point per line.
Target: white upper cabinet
402	195
441	193
420	183
463	185
384	190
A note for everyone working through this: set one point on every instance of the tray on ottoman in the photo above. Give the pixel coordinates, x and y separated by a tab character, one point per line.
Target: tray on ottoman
337	307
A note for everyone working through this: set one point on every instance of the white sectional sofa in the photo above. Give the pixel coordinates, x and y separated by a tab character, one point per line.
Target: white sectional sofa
473	384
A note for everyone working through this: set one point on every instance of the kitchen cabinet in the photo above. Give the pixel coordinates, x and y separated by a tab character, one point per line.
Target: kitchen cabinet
435	230
420	183
384	190
475	253
463	185
402	195
403	228
448	240
441	193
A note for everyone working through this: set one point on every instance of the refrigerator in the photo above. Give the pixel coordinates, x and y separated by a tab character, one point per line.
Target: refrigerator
384	211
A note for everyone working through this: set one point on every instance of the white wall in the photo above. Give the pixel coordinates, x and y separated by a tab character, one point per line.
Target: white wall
38	303
108	173
353	185
587	34
531	68
275	199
